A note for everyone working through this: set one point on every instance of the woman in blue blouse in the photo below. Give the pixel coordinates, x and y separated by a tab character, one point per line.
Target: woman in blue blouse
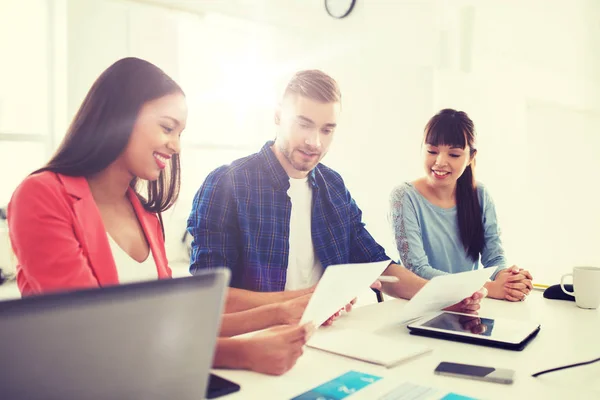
445	221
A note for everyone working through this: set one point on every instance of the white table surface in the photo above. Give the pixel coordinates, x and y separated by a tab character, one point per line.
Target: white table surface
568	335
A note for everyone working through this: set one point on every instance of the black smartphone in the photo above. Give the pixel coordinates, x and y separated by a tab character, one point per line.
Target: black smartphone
489	374
218	387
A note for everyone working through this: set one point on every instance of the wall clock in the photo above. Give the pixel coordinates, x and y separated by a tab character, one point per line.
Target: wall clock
339	8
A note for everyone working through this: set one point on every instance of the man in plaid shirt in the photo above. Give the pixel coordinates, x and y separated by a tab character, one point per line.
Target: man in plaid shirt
279	217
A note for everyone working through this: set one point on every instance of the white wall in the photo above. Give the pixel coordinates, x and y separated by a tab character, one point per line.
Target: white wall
24	90
101	32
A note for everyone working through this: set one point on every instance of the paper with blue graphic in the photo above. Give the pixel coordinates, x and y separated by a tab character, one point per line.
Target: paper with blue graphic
454	396
340	387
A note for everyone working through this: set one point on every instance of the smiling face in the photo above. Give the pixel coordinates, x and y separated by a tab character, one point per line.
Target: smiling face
155	137
444	164
448	148
305	131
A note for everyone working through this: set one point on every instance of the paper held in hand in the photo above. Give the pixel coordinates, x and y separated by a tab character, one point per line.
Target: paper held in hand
338	286
444	291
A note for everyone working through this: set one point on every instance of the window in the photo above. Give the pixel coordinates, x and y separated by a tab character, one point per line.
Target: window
24	90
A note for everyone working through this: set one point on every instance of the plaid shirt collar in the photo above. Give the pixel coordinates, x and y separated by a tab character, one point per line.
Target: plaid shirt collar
275	171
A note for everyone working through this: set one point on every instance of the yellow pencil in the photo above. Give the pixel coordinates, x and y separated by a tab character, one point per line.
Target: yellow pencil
539	286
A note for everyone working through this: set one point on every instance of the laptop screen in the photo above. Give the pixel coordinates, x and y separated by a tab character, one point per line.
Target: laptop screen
143	340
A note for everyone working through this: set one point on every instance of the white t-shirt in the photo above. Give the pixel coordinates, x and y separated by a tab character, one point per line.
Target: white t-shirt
304	268
128	269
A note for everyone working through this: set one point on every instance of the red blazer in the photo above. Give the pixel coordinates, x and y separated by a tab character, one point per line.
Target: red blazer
59	238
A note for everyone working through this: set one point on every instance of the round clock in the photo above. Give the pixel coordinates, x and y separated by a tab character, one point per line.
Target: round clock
339	8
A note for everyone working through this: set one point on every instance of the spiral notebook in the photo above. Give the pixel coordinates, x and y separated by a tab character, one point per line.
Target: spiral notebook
366	346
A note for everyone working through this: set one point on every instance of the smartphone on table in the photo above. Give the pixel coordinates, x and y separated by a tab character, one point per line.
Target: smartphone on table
489	374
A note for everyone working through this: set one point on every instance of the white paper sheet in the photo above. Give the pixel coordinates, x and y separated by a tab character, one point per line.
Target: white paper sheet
338	286
443	291
366	346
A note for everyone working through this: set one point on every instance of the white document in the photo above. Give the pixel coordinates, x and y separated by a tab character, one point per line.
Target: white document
338	286
366	346
444	291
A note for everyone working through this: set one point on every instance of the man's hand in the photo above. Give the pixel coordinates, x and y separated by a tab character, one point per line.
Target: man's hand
347	308
512	284
276	350
376	285
290	311
470	305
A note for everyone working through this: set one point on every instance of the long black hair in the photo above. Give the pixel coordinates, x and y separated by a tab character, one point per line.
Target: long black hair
455	128
103	124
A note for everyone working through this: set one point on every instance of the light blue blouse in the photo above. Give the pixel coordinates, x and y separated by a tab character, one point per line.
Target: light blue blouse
428	237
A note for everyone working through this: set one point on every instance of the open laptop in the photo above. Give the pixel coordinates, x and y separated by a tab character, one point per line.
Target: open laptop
149	340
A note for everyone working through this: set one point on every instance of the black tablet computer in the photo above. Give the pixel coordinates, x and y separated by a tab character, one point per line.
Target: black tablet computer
498	332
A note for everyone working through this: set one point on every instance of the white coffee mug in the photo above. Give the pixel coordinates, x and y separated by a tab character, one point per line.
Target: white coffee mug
586	286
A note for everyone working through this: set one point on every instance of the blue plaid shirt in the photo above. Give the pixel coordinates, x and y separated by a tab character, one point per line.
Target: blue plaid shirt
241	220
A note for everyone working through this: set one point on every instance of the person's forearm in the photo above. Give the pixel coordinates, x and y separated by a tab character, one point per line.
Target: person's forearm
500	269
241	300
230	354
493	290
494	257
250	320
427	272
408	283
